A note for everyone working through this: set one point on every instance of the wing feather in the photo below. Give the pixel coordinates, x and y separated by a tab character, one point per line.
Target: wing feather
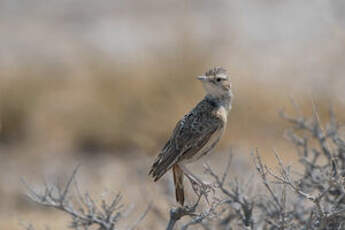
189	136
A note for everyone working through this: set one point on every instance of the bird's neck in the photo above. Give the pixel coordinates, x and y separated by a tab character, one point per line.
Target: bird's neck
221	100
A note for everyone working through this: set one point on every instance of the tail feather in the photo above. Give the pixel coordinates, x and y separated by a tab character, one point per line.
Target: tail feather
158	169
161	165
178	180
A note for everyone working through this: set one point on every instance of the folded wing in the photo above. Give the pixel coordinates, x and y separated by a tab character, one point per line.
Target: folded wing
189	136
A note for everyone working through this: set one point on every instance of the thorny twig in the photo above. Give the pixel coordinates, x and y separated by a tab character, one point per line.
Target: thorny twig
179	212
82	208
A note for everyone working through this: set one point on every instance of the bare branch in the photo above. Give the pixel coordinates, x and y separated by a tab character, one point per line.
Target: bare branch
82	209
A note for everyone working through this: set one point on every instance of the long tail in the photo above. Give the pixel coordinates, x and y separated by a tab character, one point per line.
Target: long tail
178	180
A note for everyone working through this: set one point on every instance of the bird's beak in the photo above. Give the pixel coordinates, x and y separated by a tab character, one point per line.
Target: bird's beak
202	78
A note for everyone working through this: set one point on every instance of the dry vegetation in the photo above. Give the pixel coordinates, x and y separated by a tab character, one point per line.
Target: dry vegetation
310	198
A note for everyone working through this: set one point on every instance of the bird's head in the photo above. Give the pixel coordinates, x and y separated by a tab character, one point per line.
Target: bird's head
216	82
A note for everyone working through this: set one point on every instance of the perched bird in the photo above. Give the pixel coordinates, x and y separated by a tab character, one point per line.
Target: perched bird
198	132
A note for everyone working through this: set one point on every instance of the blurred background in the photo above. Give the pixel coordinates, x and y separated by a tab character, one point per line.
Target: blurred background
104	83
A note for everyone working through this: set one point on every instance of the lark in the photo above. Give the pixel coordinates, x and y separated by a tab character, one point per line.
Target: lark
197	133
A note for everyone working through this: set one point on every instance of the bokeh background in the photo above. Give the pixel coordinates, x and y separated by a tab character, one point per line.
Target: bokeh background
104	82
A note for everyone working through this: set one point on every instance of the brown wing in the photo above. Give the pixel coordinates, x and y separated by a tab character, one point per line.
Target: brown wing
189	136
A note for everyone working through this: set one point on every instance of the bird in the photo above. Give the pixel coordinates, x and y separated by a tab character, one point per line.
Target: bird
197	133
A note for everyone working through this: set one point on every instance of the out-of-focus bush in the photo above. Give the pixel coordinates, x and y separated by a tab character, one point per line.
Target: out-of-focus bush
101	106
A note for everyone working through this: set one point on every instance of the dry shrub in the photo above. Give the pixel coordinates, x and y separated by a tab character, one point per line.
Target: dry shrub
309	198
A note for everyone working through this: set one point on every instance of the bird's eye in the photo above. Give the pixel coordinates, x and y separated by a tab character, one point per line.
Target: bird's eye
218	79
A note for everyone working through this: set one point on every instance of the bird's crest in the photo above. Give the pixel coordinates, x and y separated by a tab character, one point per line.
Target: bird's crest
215	71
